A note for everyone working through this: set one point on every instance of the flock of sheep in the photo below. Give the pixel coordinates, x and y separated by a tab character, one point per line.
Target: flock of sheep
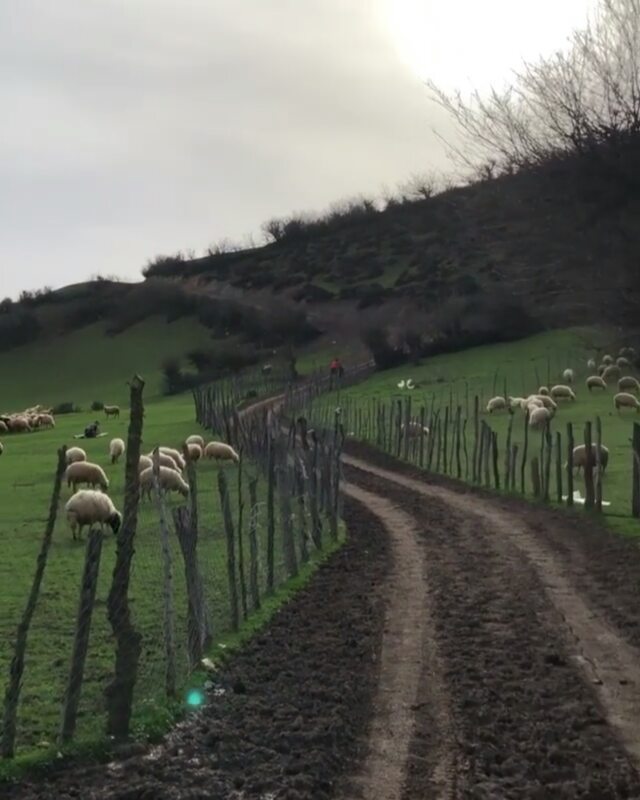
31	419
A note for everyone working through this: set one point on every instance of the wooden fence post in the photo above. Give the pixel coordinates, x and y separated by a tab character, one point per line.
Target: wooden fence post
299	483
569	464
81	638
241	575
231	550
535	476
16	670
271	515
558	466
288	542
525	447
635	488
598	481
476	412
254	588
589	494
445	437
507	454
494	455
199	633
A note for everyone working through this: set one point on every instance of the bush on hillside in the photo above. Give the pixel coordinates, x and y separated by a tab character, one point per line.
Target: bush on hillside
67	407
97	405
18	326
383	352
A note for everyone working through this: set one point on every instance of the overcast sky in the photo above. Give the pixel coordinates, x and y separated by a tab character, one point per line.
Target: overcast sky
137	127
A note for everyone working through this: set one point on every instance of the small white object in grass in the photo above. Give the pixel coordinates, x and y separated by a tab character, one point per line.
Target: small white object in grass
410	384
401	385
578	498
207	663
222	646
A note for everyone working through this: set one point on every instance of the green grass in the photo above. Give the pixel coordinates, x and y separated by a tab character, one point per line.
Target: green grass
524	365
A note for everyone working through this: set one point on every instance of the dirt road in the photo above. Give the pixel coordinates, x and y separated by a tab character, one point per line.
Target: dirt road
460	646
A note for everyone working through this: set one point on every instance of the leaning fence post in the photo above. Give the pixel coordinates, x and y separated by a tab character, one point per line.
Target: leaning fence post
231	553
16	670
81	640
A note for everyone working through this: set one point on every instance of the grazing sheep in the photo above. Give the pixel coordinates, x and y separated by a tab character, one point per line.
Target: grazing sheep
580	456
4	428
591	364
168	479
415	429
532	402
601	369
627	352
195	439
75	454
111	411
595	382
607	360
626	400
221	452
516	402
175	455
567	375
611	373
628	382
45	421
544	391
116	449
1	448
165	461
546	401
623	363
195	452
561	392
144	463
86	472
19	425
538	417
496	404
89	508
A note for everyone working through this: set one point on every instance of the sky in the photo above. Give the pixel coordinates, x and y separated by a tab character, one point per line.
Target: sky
132	128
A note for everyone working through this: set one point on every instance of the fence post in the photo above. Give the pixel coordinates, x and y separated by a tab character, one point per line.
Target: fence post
525	447
81	639
288	542
231	553
119	693
635	488
254	589
598	482
243	584
444	441
271	515
569	464
16	670
588	467
535	476
559	466
476	412
299	480
494	453
547	463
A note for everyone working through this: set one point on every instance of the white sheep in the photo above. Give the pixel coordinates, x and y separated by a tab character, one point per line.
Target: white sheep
606	360
560	392
1	448
165	461
168	480
195	452
623	363
611	373
75	454
144	463
626	400
221	452
116	449
111	411
45	421
544	391
580	456
175	455
195	439
591	364
496	404
532	402
595	382
516	402
86	472
567	376
539	417
90	508
547	402
628	382
4	428
19	425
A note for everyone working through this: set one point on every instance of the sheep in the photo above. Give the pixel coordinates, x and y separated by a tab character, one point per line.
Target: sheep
532	402
607	360
19	425
86	472
546	401
111	411
144	462
601	369
175	455
595	382
45	421
626	400
415	429
195	452
195	439
89	508
221	452
116	449
1	448
623	363
75	454
627	352
567	376
539	417
516	402
544	391
612	372
168	480
591	364
628	382
4	428
560	392
165	461
580	456
496	404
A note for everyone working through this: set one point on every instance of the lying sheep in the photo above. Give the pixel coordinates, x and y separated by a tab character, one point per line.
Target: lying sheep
538	417
567	375
611	373
580	456
221	452
86	472
591	364
606	360
168	479
544	391
195	452
561	392
75	454
496	404
175	455
628	382
626	400
90	508
116	449
623	363
595	382
111	411
195	439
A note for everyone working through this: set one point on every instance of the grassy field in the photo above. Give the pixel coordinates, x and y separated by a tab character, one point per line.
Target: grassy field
26	477
523	366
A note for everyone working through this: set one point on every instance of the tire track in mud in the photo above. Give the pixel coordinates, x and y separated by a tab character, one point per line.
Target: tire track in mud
483	562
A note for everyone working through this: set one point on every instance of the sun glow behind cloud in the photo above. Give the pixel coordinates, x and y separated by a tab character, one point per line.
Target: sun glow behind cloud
462	44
